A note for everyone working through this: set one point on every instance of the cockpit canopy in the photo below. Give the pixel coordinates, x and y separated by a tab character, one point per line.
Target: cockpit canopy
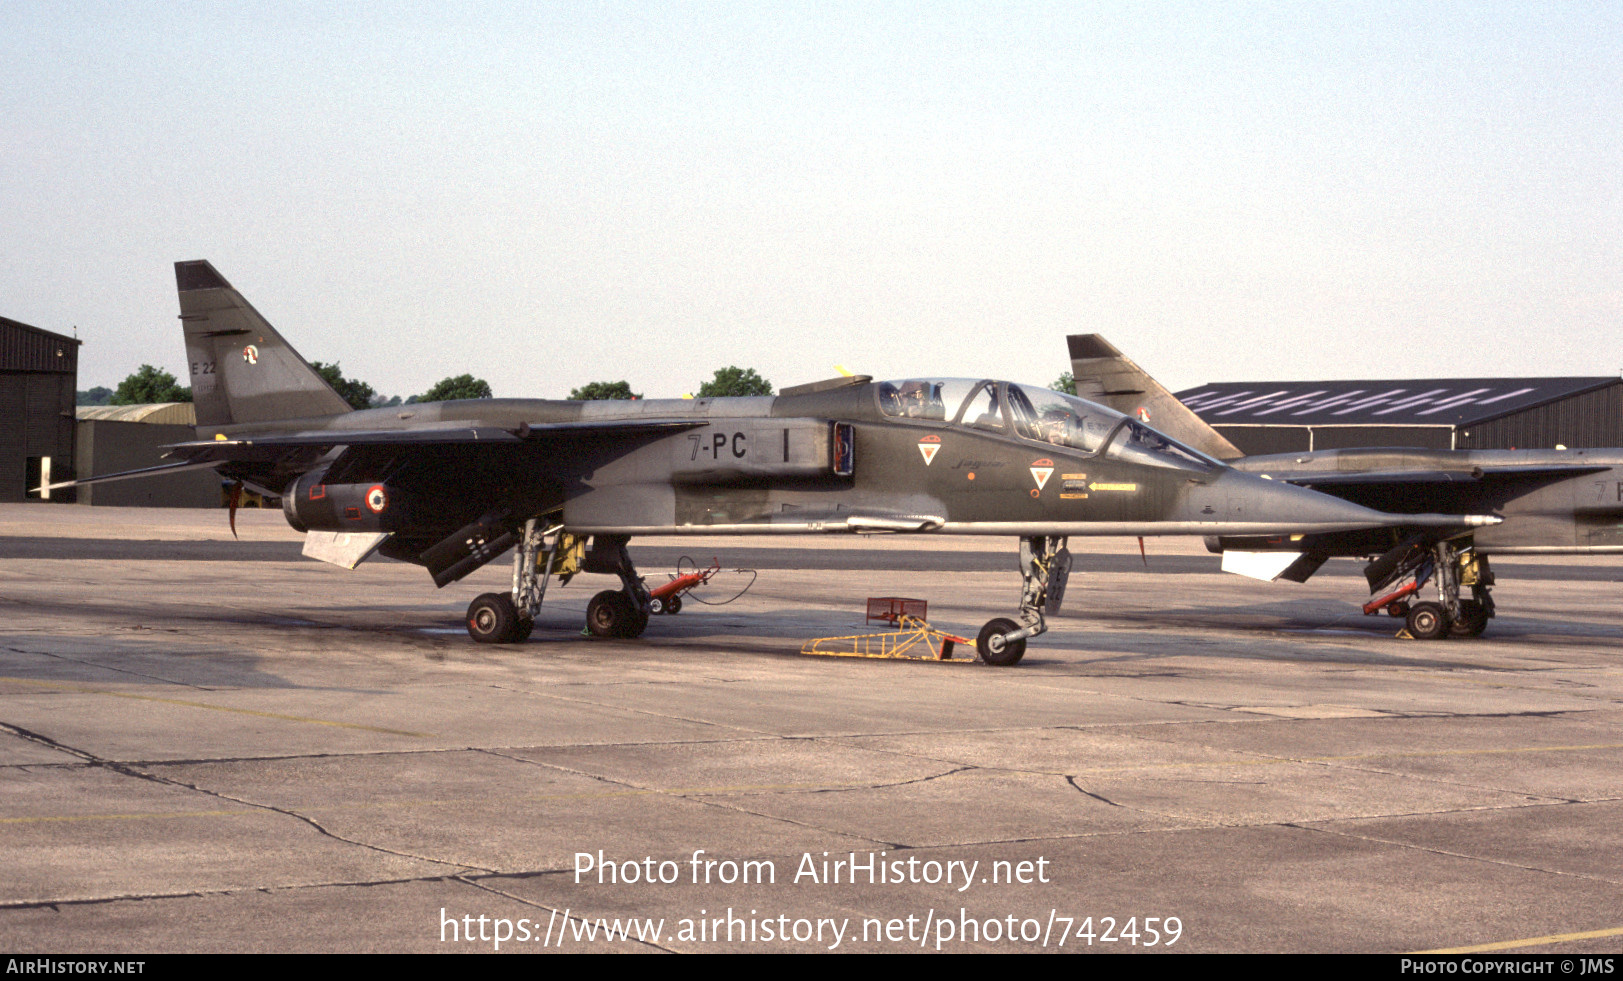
1036	415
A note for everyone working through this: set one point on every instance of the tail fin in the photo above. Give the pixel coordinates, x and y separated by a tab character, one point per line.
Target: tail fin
1105	375
242	370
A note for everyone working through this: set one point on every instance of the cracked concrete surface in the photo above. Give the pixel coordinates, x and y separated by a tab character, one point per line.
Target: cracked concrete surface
198	753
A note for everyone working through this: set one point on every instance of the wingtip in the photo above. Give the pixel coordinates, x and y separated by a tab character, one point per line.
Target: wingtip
197	274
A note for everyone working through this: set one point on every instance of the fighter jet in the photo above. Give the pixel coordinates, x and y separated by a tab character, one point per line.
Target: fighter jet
451	486
1552	502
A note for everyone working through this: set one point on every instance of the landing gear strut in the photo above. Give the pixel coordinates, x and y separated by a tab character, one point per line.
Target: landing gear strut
1045	565
1478	610
1454	566
508	618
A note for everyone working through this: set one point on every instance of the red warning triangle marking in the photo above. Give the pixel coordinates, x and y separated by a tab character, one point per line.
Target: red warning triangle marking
928	447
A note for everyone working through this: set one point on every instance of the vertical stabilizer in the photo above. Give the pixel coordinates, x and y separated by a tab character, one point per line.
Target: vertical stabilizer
242	370
1104	375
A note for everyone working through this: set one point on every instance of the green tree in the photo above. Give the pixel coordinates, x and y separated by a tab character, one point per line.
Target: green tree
148	385
733	380
100	395
357	393
460	387
1064	383
598	391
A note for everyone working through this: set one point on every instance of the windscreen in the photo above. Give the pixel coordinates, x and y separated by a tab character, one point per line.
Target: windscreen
1039	415
1063	420
1138	443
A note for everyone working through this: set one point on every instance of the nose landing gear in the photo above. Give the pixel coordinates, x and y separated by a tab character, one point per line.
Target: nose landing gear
1045	567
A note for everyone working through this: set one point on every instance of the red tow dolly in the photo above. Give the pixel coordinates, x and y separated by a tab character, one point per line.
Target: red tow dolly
1395	603
667	598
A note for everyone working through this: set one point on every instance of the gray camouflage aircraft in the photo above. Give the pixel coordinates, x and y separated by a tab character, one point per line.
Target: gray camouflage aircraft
1551	502
453	485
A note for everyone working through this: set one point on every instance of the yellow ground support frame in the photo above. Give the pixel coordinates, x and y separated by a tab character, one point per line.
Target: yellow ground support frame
913	640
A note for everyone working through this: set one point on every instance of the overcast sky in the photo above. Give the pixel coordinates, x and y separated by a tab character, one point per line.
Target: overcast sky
550	194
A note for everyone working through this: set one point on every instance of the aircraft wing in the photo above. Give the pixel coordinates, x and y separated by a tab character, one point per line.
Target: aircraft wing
1477	475
204	454
273	447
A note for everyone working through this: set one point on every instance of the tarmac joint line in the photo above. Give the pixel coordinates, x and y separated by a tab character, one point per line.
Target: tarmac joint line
129	771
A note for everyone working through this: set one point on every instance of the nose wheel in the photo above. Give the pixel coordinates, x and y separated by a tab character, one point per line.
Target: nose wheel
994	649
1045	567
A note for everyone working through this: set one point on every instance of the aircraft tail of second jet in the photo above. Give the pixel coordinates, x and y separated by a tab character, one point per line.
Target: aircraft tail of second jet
1105	375
242	370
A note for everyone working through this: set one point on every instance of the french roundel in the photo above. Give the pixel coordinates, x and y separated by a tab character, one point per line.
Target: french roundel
376	499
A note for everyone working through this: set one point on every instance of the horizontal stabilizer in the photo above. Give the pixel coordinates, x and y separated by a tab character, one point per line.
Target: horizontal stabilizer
162	470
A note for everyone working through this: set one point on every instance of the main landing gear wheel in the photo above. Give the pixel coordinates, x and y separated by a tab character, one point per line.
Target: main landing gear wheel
994	650
1428	621
612	614
492	619
1473	619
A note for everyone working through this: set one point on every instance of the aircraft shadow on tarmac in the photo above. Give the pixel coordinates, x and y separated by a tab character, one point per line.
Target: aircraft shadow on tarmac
1272	630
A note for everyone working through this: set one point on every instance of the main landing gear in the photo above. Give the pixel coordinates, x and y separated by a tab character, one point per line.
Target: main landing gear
622	612
1045	566
508	618
1454	567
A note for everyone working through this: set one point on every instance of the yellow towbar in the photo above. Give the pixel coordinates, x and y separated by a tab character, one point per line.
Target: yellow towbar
914	640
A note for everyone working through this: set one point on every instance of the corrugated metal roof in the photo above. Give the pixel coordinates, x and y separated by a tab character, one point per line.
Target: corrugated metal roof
1424	402
26	348
171	413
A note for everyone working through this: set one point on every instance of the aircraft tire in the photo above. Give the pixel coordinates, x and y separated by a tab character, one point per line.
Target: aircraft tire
492	619
1006	654
673	605
1473	620
637	623
521	630
1427	621
609	614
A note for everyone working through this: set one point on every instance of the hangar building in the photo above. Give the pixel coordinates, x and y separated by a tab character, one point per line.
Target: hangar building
1441	413
115	438
39	371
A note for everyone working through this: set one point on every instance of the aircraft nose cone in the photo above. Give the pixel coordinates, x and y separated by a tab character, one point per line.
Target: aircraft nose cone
1257	505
